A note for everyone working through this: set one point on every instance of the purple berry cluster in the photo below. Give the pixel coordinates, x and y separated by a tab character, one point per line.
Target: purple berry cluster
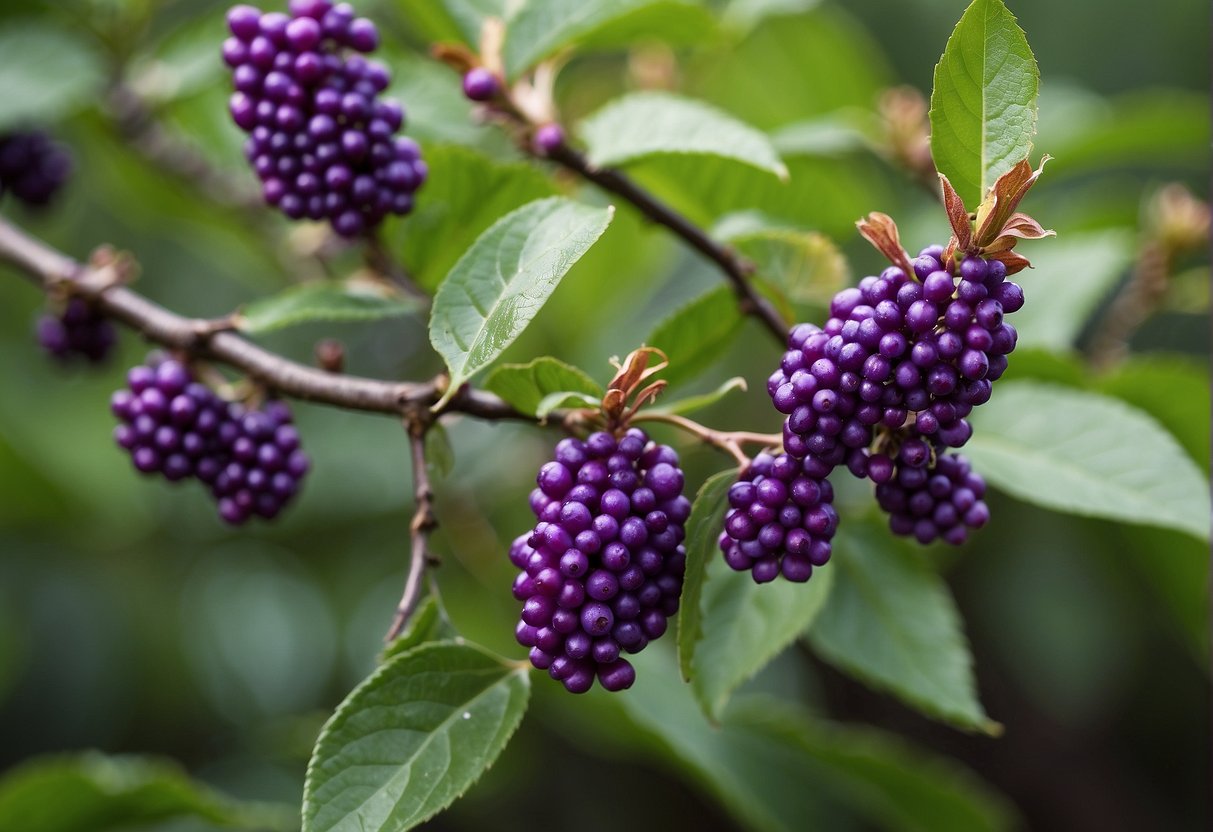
33	167
178	427
321	140
930	501
887	384
602	569
79	330
780	519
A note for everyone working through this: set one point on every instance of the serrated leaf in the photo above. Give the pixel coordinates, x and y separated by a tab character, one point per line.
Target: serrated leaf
651	123
983	106
526	385
428	623
540	28
1084	453
503	280
324	301
46	74
745	625
690	404
411	738
465	192
89	792
703	529
697	335
891	623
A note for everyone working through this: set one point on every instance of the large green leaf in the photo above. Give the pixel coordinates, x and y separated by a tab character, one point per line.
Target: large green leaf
94	793
697	335
525	386
1171	388
503	280
46	74
1084	453
451	19
464	194
703	529
983	107
891	623
329	300
745	625
411	738
539	28
1072	276
650	123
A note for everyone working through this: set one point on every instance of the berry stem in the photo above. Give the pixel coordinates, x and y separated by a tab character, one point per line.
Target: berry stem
423	523
728	441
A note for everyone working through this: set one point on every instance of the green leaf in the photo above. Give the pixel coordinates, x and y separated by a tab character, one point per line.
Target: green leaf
746	14
451	19
834	134
1072	276
525	385
411	738
94	793
745	625
439	454
503	280
539	28
697	335
564	399
891	623
428	623
983	106
804	266
464	194
690	404
650	123
46	74
1172	389
350	300
1084	453
703	529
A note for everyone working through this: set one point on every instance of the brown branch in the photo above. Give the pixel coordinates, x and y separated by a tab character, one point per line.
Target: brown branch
424	522
52	270
736	269
728	441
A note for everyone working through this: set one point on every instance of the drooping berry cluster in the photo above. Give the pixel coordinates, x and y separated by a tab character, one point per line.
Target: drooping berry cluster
602	569
33	167
320	138
177	427
780	519
929	501
79	330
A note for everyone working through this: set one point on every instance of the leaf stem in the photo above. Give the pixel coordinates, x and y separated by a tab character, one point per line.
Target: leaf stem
727	441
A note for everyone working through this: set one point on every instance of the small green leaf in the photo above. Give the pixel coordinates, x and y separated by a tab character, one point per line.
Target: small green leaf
428	623
465	192
90	792
503	280
804	266
704	525
1171	388
650	123
745	625
564	399
983	107
1084	453
412	738
525	385
697	335
46	75
693	403
325	301
891	623
540	28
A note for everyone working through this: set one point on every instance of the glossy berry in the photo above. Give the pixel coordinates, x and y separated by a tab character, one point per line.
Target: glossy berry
601	571
174	426
548	138
320	138
479	84
780	520
78	331
939	500
33	168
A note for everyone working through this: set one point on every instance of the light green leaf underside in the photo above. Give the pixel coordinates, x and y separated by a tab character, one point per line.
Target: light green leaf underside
324	301
526	385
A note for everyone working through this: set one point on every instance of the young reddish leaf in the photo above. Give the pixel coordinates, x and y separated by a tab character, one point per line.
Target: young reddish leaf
958	215
1019	227
880	230
1014	262
1000	203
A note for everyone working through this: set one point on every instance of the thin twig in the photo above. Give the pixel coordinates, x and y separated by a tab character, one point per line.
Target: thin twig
53	270
728	441
424	522
734	267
